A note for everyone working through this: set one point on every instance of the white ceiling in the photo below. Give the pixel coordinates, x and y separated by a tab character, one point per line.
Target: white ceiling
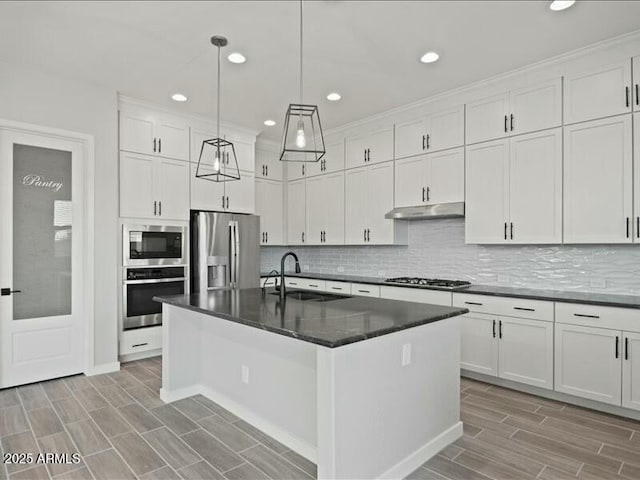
366	50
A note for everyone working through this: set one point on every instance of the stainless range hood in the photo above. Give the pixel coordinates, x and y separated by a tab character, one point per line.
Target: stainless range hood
428	212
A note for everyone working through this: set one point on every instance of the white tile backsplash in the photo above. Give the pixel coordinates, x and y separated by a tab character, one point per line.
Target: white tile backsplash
437	249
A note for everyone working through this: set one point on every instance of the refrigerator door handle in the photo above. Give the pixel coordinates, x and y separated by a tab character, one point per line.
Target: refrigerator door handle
232	247
236	259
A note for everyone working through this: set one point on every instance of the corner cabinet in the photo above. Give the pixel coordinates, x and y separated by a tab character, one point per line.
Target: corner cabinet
153	188
368	197
269	206
598	181
153	133
514	190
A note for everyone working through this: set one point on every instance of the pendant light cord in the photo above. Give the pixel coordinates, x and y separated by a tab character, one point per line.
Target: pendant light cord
218	99
301	51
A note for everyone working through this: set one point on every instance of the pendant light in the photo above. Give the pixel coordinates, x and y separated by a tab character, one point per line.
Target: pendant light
217	161
302	139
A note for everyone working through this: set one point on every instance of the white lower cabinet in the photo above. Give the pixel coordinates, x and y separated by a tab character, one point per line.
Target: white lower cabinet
140	340
365	290
588	362
420	295
631	371
479	343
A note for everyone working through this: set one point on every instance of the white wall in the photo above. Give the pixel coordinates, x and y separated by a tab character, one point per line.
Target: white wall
42	99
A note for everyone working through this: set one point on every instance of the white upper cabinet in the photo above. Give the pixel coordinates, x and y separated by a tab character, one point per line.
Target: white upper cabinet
205	194
636	83
269	206
371	147
268	164
153	187
154	133
430	179
245	151
430	132
325	209
296	212
297	170
514	189
598	181
240	194
524	110
536	108
368	197
332	161
487	192
535	187
597	93
486	119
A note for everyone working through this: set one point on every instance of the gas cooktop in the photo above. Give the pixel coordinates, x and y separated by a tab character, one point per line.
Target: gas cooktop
429	282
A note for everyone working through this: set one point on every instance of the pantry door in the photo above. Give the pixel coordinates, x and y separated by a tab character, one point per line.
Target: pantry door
41	257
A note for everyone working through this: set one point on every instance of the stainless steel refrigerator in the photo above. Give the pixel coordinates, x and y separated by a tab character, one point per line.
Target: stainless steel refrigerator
225	251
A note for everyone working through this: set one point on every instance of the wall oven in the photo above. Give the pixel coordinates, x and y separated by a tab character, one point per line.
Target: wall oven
140	285
144	245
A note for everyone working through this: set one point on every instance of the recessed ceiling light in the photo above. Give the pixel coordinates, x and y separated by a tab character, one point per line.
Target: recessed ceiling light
178	97
429	57
236	57
269	123
334	97
558	5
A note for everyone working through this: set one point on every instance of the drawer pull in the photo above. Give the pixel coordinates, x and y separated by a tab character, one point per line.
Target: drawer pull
139	344
585	316
525	309
473	303
336	288
293	283
314	286
364	291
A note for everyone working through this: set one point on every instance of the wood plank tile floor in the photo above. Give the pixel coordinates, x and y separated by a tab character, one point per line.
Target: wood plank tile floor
123	430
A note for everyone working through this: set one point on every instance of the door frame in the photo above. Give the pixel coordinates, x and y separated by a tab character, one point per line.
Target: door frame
88	258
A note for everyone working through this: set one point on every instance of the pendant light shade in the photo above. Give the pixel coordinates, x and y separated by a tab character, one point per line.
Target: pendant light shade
302	138
218	161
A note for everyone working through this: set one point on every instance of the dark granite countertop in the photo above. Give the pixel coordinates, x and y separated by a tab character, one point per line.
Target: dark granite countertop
603	299
330	324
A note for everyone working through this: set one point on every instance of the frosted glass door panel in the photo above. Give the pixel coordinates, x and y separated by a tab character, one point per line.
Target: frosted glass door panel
42	232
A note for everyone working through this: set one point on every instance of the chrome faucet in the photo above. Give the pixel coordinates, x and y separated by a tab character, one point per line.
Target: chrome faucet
282	286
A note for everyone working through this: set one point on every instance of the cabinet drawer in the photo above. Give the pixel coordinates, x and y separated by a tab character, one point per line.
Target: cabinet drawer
305	283
510	307
597	316
140	340
365	290
339	287
435	297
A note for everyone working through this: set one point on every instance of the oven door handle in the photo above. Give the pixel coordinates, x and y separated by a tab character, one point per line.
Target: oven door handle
155	280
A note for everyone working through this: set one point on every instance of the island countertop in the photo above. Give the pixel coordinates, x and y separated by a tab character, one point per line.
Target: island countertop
330	324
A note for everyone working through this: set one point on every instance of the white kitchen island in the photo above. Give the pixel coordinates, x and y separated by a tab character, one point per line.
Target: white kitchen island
364	387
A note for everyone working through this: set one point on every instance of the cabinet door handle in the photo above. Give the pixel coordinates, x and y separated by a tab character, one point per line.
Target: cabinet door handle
494	329
525	309
500	329
302	169
505	124
302	237
368	154
511	230
222	201
512	118
160	145
428	144
160	208
154	145
585	316
505	230
626	348
263	173
368	235
262	237
424	191
266	236
266	169
364	232
638	227
227	202
424	138
637	94
155	208
473	303
627	227
617	346
365	154
626	101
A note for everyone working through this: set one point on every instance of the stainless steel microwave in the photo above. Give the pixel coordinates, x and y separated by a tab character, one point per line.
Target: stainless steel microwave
145	245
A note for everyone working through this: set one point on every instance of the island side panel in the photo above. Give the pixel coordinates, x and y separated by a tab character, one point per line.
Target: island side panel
181	353
380	419
277	391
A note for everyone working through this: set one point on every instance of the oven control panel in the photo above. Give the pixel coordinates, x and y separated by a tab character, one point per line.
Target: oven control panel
155	273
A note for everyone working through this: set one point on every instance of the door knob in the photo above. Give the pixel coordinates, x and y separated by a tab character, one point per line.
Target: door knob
8	291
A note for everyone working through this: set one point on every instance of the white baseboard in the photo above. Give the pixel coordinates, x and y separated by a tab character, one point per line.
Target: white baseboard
104	368
169	396
310	452
410	463
130	357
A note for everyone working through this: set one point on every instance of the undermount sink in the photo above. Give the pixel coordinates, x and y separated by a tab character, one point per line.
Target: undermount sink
312	296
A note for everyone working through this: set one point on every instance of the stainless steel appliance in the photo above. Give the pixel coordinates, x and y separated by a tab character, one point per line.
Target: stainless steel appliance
140	285
429	282
144	245
225	251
